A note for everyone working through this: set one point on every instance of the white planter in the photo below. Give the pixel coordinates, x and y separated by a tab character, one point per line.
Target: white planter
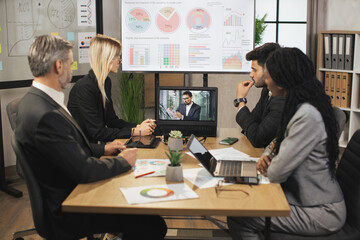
175	144
174	174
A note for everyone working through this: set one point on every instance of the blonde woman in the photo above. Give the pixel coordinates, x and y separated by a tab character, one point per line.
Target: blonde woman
90	100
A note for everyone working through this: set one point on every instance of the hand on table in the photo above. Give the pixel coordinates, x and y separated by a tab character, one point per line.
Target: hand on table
113	148
129	155
263	164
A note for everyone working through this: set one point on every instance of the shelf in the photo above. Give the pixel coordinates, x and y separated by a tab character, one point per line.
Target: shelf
335	70
353	111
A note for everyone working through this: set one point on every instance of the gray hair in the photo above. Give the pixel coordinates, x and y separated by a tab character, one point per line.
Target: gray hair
44	52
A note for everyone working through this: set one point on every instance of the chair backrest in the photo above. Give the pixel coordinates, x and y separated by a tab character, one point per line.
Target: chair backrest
12	109
340	118
33	188
348	173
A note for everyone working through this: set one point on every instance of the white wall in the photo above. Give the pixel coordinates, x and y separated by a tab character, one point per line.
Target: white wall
343	15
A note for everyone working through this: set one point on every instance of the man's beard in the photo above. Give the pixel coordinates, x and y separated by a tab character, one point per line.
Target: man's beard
65	80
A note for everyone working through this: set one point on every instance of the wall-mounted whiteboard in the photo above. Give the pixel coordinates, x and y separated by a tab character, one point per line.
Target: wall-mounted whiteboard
22	20
187	35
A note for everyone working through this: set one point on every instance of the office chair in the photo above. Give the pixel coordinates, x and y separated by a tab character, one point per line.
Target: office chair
341	119
34	194
41	227
347	174
12	109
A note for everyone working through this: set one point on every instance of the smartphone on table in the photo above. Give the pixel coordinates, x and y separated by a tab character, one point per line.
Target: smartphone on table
228	140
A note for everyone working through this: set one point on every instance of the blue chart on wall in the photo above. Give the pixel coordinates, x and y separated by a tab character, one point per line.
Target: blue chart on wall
22	20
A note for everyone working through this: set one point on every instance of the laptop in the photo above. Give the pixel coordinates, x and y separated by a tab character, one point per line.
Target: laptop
238	171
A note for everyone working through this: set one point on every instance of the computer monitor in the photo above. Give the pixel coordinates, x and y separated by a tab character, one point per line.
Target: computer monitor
192	110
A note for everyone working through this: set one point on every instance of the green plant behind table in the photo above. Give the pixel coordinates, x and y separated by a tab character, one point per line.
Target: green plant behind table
131	98
260	27
175	157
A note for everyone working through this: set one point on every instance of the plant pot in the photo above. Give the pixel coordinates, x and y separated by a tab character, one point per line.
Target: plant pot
175	144
174	174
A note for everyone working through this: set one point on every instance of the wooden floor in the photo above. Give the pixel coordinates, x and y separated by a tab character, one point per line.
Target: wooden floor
15	215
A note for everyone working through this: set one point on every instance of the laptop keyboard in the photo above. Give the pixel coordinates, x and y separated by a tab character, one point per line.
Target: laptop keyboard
230	168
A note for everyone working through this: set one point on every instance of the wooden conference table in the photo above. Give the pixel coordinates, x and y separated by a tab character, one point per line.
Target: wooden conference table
104	196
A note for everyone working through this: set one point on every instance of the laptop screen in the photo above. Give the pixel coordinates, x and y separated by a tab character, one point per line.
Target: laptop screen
201	153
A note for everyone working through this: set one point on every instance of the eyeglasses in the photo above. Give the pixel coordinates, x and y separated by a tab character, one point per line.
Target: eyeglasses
118	59
219	187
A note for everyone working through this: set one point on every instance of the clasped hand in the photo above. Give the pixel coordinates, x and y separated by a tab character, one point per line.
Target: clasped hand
263	164
147	127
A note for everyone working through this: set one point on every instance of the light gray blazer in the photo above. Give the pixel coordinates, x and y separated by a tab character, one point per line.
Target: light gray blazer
302	165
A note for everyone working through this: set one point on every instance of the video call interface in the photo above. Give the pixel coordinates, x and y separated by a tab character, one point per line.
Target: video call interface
173	101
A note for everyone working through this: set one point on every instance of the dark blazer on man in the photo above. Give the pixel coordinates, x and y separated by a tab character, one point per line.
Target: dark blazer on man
194	113
260	125
61	157
86	106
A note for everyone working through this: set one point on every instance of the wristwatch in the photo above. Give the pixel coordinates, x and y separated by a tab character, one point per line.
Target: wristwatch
239	100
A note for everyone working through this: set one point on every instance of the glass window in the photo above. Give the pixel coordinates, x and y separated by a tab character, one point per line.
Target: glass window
292	10
286	24
268	7
269	34
293	35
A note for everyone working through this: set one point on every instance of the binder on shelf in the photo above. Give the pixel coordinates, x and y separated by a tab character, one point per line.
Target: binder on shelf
334	50
349	51
332	87
345	90
338	89
341	52
327	51
327	83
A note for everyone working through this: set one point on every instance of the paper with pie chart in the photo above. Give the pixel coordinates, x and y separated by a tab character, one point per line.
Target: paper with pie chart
158	193
201	36
158	166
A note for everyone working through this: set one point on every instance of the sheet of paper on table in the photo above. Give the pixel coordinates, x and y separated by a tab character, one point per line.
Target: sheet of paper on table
158	193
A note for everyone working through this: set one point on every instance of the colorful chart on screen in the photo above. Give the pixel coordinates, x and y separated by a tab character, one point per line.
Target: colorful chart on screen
157	192
187	36
168	20
198	20
138	20
232	61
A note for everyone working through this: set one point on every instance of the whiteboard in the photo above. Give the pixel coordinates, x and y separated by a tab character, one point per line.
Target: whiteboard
22	20
187	35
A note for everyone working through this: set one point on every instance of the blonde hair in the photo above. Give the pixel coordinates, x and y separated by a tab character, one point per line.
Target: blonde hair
103	50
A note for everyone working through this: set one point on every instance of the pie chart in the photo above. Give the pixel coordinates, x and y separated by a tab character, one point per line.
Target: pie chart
138	20
198	20
168	20
157	192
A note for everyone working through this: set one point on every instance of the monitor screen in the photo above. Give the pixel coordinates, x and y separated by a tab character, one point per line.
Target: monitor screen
192	110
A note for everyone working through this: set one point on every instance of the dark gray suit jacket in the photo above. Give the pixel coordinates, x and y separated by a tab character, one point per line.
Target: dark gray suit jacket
59	153
260	125
194	113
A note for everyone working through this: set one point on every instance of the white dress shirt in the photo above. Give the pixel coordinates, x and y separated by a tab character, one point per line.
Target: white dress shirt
58	97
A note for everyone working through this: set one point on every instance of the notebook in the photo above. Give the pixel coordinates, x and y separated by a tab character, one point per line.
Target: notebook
245	170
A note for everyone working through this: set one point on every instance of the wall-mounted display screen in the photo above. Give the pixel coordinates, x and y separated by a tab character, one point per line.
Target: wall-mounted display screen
187	36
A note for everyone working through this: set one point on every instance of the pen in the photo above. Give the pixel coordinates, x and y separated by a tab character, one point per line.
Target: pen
144	174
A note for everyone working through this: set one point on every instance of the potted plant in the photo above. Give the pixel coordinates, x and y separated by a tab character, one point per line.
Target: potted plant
175	141
260	27
174	171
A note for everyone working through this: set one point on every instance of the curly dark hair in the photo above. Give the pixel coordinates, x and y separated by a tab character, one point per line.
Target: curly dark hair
260	54
291	69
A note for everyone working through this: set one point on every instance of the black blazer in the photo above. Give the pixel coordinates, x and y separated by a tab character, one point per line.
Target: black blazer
260	125
59	153
86	106
194	113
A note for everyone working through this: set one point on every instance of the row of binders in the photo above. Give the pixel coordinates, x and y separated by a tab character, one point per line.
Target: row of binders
338	51
338	87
